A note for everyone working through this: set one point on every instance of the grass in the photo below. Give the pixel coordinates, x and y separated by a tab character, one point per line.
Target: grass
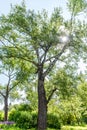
11	128
74	128
63	128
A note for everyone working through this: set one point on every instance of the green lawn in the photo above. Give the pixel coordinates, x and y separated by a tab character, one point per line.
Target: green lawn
74	128
63	128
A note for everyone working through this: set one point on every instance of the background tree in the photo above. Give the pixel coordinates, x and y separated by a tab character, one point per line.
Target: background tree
6	89
40	40
14	81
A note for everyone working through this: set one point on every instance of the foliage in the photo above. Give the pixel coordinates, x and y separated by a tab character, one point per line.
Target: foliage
53	121
31	93
27	120
65	83
7	124
24	119
70	111
82	92
1	115
76	6
21	107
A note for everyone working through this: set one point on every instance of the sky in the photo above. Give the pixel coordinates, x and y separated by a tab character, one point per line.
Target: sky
49	5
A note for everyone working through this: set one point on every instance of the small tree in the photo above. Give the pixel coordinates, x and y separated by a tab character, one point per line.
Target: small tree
5	90
14	77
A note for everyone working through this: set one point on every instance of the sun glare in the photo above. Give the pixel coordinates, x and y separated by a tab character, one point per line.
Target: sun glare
64	39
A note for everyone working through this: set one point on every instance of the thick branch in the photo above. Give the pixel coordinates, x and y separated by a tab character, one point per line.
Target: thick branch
2	94
46	49
14	86
51	65
19	57
51	94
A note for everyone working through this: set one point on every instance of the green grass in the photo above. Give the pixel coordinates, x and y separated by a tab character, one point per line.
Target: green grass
16	128
12	128
63	128
47	129
74	128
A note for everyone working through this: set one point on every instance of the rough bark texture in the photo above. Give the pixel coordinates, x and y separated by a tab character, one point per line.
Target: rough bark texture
42	103
6	109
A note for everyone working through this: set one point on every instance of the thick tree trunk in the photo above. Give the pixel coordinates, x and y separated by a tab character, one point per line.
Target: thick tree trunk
5	109
42	102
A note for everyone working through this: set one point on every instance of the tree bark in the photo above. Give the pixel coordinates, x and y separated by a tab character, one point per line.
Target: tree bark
42	102
5	109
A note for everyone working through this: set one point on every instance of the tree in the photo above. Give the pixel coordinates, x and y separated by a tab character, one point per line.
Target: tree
40	40
14	77
7	89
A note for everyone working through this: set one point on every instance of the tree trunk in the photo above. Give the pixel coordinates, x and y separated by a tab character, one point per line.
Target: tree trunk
5	109
42	102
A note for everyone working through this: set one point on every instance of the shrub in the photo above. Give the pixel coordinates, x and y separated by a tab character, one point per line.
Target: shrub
14	115
24	107
23	119
53	121
21	107
1	116
34	119
27	120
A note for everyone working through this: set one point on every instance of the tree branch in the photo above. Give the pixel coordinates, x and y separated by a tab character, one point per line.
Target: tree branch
20	50
2	94
14	86
51	94
51	65
19	57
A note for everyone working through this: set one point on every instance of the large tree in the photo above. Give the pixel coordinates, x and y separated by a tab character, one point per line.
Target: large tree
42	41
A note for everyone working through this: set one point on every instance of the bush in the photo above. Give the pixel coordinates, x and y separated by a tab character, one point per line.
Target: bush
23	119
14	115
53	121
1	116
21	107
27	120
34	119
